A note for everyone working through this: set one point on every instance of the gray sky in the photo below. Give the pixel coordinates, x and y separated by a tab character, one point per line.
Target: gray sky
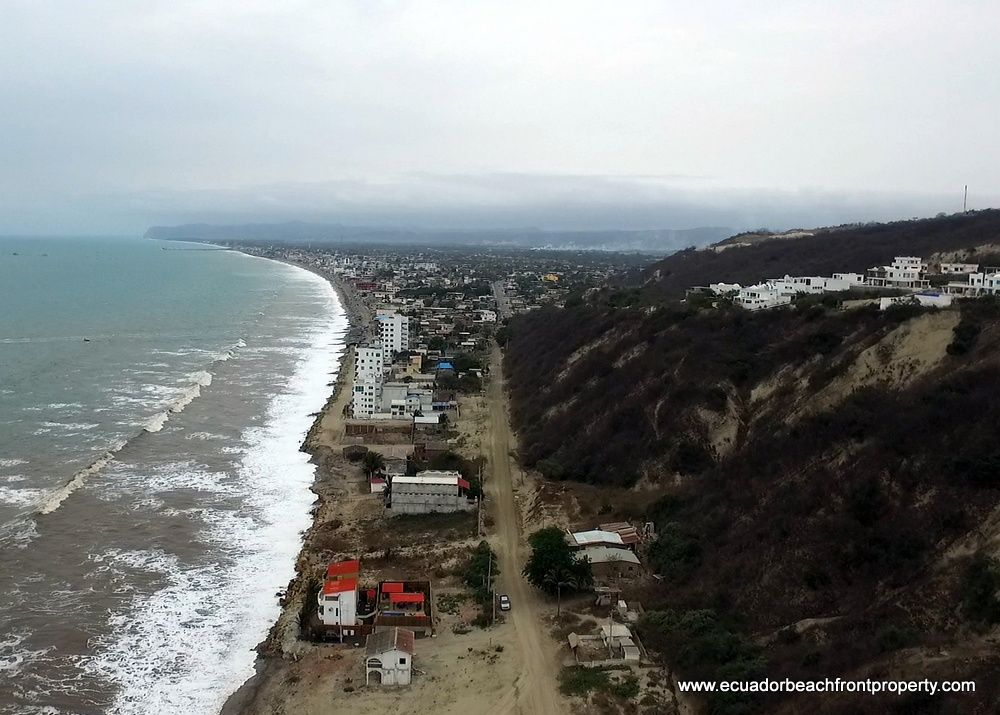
119	114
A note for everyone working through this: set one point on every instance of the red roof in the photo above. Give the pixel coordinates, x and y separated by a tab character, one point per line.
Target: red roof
340	586
462	483
407	598
343	568
392	587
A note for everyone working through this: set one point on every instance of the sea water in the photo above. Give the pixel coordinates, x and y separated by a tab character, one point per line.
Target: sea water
153	399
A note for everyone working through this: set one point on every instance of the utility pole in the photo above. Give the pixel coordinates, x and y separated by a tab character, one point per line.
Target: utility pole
965	201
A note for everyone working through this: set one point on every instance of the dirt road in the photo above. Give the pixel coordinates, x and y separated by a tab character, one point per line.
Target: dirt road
535	690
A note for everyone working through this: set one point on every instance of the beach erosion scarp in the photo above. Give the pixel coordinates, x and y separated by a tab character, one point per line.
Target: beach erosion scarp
282	641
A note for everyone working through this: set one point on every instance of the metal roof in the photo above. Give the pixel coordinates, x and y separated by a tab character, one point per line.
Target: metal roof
430	477
596	536
390	639
344	585
606	554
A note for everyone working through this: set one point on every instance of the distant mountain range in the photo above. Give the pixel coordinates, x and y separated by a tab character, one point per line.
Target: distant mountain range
652	241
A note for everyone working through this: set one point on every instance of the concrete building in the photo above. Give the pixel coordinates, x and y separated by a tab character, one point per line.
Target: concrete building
394	330
761	296
367	400
949	269
389	657
369	363
975	284
402	399
905	272
338	599
607	562
430	491
618	638
369	369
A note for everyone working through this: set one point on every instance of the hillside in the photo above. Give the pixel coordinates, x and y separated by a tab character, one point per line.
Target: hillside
819	252
825	482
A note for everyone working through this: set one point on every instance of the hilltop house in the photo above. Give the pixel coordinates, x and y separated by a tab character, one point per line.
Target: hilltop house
905	272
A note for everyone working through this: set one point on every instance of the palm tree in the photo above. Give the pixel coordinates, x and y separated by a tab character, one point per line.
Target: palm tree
560	578
372	463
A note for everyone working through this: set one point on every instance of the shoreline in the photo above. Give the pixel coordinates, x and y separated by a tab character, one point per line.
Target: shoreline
281	637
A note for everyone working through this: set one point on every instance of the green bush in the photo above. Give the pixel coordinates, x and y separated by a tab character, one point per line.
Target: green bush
581	681
674	555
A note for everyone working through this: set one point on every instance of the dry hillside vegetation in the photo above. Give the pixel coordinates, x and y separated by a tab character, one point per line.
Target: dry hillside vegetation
832	479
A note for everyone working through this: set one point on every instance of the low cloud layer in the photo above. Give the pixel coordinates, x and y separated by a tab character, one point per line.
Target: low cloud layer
119	115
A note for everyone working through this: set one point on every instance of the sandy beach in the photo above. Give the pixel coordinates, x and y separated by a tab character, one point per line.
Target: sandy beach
461	669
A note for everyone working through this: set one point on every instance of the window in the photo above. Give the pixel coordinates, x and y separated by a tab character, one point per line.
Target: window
402	661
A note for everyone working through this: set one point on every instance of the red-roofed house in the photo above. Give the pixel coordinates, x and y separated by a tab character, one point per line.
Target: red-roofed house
338	599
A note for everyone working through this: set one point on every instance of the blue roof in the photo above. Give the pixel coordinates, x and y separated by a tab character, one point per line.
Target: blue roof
445	366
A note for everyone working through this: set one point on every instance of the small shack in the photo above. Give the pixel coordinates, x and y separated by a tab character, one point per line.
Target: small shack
389	657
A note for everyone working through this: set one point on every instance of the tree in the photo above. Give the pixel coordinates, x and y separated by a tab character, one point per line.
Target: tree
372	463
550	554
560	578
481	572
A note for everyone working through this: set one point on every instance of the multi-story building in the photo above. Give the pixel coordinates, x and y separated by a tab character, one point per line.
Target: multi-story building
368	376
394	329
905	272
369	362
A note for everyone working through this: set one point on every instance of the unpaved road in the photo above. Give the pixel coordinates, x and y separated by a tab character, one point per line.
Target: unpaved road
535	691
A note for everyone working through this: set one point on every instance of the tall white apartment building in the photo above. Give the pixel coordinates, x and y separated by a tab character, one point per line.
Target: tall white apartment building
395	333
369	360
368	376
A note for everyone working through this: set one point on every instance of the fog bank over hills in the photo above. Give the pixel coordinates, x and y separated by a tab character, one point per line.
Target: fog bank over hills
656	241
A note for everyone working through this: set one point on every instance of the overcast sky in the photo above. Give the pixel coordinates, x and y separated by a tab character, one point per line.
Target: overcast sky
118	114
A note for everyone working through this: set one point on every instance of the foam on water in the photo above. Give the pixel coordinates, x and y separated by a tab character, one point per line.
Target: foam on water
184	647
20	497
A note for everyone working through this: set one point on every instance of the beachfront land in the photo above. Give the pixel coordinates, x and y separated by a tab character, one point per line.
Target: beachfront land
414	473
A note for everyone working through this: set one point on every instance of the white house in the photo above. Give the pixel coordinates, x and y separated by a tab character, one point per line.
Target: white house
975	284
338	599
762	295
389	657
959	268
724	288
905	272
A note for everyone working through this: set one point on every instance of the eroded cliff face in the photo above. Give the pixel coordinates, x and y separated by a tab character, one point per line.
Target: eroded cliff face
831	471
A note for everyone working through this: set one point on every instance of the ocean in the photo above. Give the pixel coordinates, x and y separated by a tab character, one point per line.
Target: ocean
153	399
